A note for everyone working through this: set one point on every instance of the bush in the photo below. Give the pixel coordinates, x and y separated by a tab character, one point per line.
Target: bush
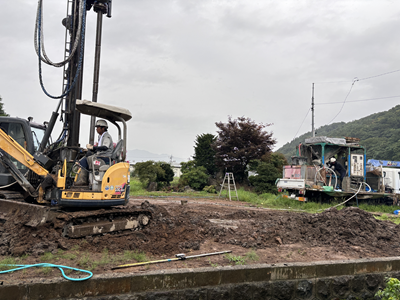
196	178
391	291
150	171
210	189
264	182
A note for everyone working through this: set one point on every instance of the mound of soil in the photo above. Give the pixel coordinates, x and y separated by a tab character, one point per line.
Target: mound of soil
342	229
204	225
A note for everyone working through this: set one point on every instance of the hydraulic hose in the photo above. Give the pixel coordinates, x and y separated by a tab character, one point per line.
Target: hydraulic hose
80	60
39	33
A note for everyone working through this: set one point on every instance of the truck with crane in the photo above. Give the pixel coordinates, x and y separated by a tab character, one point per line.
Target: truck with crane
37	175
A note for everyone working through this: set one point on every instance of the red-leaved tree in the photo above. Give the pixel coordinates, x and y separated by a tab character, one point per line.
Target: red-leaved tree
238	142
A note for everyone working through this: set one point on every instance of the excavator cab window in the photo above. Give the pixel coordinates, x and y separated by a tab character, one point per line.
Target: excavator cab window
16	131
38	135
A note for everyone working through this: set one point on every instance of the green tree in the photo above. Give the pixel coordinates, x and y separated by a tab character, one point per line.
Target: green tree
2	111
196	178
239	141
150	171
204	154
278	160
187	166
167	176
267	173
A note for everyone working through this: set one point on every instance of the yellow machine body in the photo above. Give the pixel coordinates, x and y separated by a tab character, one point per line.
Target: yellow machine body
114	190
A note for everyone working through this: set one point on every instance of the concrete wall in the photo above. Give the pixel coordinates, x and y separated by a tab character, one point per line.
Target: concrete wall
323	280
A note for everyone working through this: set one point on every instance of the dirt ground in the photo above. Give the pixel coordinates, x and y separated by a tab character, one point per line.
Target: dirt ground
196	226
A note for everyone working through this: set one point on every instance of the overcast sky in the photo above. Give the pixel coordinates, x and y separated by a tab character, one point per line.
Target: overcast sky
180	66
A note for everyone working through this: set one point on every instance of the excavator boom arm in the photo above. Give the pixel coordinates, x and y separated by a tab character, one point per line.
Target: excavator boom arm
11	147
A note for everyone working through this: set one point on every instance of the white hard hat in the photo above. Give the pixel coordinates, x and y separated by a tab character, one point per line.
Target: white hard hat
101	123
333	159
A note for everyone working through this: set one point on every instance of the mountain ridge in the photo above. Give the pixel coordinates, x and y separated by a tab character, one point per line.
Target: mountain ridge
138	155
379	133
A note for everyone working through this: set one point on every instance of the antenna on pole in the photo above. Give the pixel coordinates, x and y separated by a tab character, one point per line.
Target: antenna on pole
312	112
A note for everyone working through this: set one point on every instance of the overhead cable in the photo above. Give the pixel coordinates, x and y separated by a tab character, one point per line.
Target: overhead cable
302	123
380	75
354	81
362	100
365	78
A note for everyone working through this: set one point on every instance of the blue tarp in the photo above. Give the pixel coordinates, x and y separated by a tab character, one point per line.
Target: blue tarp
383	163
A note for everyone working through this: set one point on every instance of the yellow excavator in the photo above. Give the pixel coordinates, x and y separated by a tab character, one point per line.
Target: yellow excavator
37	176
54	188
108	183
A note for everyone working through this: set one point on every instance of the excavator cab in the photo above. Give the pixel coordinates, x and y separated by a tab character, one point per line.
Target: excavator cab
108	183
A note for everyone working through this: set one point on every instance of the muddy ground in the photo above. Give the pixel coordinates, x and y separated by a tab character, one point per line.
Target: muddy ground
203	226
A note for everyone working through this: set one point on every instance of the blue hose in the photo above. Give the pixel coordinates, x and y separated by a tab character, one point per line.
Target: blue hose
46	265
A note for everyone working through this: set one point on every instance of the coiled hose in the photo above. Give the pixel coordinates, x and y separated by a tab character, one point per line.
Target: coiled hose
46	265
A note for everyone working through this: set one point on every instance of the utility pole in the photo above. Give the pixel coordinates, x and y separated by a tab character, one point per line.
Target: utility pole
312	112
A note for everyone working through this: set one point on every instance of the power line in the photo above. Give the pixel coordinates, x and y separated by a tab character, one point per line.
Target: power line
361	100
344	102
354	81
328	82
380	75
358	79
302	123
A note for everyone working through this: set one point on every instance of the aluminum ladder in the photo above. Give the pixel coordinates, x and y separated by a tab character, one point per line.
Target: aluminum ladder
229	184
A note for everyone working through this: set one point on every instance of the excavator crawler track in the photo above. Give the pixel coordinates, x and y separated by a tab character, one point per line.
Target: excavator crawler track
11	195
78	223
87	223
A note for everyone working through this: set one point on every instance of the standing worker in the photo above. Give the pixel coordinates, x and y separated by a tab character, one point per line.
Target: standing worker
336	166
104	150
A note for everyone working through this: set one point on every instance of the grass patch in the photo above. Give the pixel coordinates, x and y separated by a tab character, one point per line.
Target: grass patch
212	264
75	248
50	257
136	255
45	270
252	256
47	257
236	259
105	258
386	217
84	260
8	263
136	187
24	257
69	256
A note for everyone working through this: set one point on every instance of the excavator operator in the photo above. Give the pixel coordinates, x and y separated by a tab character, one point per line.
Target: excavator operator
103	150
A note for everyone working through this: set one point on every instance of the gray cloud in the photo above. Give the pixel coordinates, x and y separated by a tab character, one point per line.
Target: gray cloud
180	66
